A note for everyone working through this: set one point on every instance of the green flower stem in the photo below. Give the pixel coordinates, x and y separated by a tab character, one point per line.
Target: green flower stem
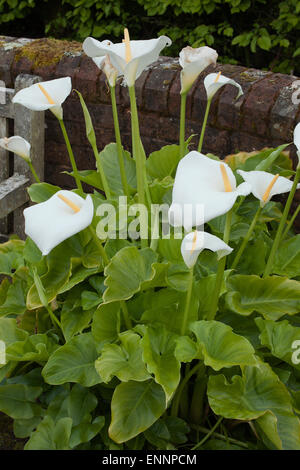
204	125
126	315
176	400
42	296
71	156
106	260
219	436
188	301
101	171
139	158
200	386
118	140
246	239
209	434
99	244
53	317
290	224
278	236
220	271
34	173
182	123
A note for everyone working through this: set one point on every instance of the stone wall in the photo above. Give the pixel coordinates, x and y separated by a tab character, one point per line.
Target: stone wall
264	116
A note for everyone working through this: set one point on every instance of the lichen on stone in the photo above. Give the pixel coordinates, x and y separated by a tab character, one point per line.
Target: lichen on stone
43	52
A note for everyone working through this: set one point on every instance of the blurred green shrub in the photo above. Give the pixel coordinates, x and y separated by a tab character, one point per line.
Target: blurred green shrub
258	33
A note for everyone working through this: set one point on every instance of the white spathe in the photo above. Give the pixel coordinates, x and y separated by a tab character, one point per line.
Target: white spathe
33	98
50	223
104	64
143	54
195	242
199	194
212	86
260	180
193	61
297	141
17	145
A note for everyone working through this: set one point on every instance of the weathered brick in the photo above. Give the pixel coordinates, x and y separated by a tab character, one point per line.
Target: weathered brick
68	66
6	61
158	84
86	79
259	102
22	65
282	117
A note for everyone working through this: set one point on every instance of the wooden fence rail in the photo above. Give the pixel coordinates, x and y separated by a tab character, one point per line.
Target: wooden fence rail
15	175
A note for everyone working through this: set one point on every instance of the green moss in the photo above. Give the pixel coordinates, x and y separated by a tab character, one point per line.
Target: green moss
43	52
247	77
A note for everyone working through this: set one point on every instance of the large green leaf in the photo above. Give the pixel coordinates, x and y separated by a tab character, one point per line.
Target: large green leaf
9	331
166	304
11	256
159	355
35	348
163	162
219	347
128	272
124	361
73	318
73	362
50	435
279	338
135	406
287	261
19	401
41	192
111	168
86	431
273	296
257	393
58	273
14	303
106	322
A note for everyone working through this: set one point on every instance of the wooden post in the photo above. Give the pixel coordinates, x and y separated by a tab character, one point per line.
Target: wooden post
15	175
31	126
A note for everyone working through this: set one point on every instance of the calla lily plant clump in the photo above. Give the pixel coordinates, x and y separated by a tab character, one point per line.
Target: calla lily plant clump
161	309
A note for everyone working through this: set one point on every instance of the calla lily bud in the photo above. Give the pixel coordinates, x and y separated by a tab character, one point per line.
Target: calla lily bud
193	61
201	181
130	58
214	81
104	63
297	141
17	145
265	185
195	242
45	95
60	217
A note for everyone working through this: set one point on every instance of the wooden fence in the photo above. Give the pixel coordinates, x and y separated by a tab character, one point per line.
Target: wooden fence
15	175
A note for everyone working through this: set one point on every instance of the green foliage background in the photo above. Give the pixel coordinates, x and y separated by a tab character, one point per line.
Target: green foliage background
257	33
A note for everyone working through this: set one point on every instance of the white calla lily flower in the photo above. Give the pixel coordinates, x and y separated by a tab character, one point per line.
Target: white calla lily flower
204	184
195	242
265	185
297	141
45	95
193	61
60	217
130	58
17	145
214	81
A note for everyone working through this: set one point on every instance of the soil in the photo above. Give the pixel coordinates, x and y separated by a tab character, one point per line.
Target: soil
7	438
